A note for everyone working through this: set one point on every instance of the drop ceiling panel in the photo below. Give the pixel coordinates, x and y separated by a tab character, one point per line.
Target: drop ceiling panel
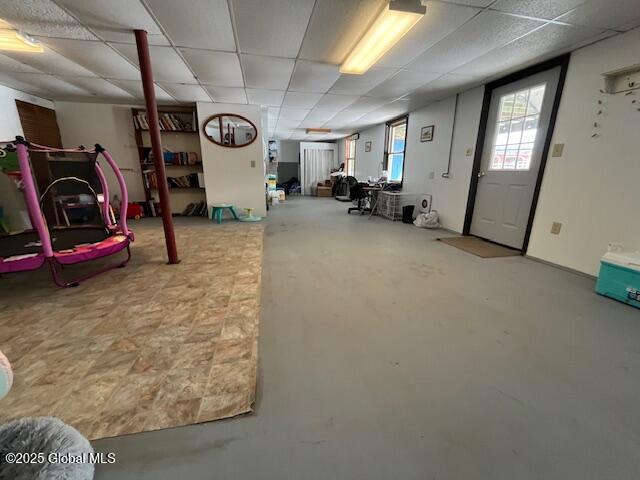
50	62
402	83
8	64
95	56
99	88
366	104
134	87
56	87
271	98
473	3
267	72
336	26
42	17
336	102
301	100
313	77
440	20
200	24
483	33
216	68
227	94
185	92
319	116
113	20
358	84
343	119
618	15
548	9
271	27
166	63
547	41
294	113
8	80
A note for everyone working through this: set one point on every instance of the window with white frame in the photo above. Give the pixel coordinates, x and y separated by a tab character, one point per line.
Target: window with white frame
516	129
350	156
396	144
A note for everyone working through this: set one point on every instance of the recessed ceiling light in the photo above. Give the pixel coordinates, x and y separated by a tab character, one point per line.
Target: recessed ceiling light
19	42
395	20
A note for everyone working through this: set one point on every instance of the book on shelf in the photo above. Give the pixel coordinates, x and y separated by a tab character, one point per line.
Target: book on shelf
168	122
184	181
174	158
198	209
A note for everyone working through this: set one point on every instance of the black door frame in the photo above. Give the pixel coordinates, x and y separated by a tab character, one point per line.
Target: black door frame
561	61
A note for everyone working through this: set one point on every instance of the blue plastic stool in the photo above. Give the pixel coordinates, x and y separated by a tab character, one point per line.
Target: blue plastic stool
218	209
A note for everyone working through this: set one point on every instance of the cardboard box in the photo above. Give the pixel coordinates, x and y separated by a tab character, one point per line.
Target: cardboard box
323	191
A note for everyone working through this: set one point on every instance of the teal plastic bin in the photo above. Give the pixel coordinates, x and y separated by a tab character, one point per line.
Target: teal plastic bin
619	277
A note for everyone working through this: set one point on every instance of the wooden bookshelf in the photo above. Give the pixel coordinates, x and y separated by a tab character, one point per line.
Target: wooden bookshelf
179	134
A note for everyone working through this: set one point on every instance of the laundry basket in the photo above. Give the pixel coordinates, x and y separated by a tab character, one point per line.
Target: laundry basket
390	204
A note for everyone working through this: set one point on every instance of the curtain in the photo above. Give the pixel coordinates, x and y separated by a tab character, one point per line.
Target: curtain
317	165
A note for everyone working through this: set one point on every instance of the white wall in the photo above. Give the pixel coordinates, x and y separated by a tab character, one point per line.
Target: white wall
593	189
228	172
10	127
368	163
425	162
288	151
110	126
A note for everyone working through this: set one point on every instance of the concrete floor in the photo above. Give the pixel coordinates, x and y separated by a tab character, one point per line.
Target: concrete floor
386	354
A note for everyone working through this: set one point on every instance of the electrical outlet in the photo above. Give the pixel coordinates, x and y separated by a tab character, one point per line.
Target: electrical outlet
432	175
558	148
469	152
555	228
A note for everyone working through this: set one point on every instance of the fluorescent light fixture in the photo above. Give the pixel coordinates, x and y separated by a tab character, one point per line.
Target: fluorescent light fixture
392	24
18	42
318	130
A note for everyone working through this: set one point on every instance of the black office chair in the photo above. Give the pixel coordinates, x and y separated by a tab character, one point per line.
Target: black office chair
356	194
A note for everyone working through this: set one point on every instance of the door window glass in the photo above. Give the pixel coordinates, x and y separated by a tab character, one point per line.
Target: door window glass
516	129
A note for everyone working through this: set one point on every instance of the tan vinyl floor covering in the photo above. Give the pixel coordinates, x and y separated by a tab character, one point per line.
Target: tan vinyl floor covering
145	347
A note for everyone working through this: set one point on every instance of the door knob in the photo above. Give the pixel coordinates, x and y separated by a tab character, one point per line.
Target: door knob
481	174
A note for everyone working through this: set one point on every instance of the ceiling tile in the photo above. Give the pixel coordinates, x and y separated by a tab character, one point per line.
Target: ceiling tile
301	100
473	3
366	104
440	20
8	64
271	27
8	80
216	68
294	113
114	20
50	62
545	42
267	72
318	115
56	87
227	94
42	17
483	33
166	63
95	56
548	9
358	84
313	77
402	83
134	87
621	15
265	97
336	26
343	119
98	87
186	92
201	24
336	102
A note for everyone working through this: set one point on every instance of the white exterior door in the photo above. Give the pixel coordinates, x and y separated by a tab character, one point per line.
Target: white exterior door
517	126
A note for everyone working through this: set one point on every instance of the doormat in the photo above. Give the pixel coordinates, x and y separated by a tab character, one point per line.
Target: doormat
479	247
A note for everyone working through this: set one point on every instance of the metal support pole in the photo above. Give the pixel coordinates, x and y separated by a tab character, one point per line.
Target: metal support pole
156	144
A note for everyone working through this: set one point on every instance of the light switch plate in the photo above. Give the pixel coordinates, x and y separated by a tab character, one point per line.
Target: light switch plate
558	148
432	175
469	152
555	228
253	164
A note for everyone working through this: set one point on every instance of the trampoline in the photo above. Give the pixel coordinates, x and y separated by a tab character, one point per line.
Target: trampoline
66	199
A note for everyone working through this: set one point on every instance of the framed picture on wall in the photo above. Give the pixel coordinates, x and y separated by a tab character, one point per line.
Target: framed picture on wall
367	146
426	133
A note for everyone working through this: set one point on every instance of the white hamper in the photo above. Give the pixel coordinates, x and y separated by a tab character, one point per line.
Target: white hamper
390	204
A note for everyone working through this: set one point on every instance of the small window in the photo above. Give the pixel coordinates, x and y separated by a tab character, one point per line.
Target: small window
350	156
516	129
396	144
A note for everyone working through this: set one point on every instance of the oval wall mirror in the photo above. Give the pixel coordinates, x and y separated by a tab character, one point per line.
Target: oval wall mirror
230	130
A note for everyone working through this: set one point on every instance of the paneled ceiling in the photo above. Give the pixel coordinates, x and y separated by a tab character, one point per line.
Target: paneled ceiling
285	54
